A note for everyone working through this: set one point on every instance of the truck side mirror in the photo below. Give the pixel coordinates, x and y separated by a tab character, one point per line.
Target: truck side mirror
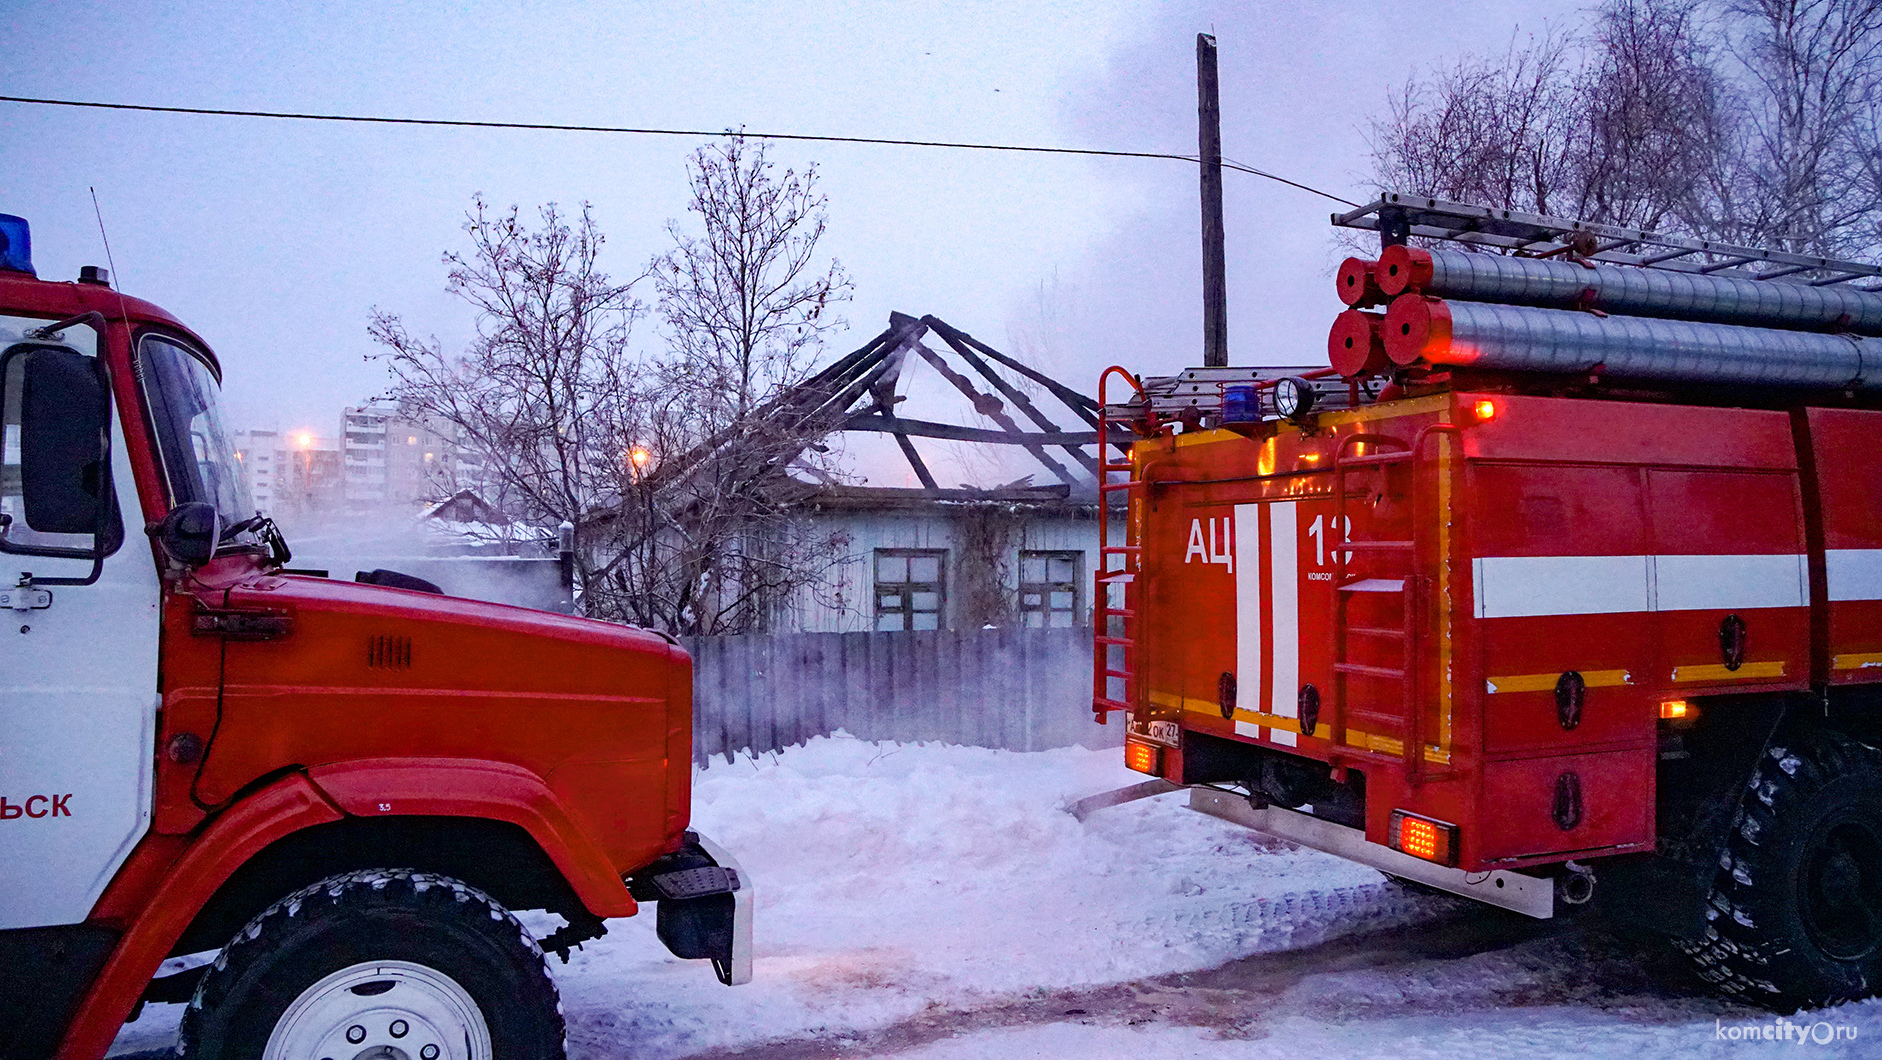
57	406
190	533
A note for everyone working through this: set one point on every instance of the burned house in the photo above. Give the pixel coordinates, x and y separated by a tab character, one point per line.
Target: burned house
950	559
924	555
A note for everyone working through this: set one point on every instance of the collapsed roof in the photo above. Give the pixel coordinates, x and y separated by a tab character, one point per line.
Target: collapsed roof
1018	406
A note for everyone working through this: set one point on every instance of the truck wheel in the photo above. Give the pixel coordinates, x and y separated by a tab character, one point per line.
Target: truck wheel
384	964
1796	911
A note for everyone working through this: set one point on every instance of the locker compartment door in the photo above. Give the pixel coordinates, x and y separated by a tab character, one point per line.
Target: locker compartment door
1566	803
1730	580
1849	479
1561	602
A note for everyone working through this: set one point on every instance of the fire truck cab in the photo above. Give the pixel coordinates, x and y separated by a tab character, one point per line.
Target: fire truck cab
1548	604
340	790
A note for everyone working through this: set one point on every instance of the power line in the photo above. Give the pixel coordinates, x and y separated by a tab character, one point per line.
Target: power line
550	127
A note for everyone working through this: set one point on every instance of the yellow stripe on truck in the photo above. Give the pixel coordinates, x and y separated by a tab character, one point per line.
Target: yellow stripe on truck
1354	737
1546	682
1718	672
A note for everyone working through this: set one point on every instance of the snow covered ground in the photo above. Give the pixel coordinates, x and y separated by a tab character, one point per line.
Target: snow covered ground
936	902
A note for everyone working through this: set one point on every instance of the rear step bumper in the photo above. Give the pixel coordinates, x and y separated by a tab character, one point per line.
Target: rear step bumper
1529	895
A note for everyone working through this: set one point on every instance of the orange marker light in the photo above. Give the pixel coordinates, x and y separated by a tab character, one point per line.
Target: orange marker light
1674	709
1484	410
1143	757
1423	838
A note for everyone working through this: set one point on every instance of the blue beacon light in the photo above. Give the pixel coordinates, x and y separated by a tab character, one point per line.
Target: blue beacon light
16	244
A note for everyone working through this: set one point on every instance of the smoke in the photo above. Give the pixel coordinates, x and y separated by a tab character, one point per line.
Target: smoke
1298	84
345	545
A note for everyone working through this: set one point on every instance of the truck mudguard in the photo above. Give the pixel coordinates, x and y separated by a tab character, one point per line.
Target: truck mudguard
497	791
242	831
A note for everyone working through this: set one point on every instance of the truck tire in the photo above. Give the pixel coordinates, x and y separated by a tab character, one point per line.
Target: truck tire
388	963
1795	915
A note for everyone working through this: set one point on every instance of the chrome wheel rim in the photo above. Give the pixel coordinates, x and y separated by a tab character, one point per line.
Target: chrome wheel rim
382	1010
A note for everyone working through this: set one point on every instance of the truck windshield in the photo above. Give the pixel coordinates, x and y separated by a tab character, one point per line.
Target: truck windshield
198	457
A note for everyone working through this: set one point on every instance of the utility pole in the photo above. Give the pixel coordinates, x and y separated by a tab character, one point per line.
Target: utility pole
1215	309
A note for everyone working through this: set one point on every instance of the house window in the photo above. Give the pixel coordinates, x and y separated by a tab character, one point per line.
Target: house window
1048	589
911	588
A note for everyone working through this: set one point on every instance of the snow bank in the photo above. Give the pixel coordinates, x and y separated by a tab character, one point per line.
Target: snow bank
904	882
1531	1032
897	879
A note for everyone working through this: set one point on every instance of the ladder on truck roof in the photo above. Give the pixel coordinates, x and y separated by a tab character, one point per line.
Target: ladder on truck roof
1397	216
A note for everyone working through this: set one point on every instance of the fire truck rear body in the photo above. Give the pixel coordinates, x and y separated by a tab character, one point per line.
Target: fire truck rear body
1500	620
1609	540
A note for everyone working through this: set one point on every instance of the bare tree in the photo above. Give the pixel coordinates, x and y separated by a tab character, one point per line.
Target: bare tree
669	465
1809	143
745	309
1650	114
1750	121
1485	130
545	399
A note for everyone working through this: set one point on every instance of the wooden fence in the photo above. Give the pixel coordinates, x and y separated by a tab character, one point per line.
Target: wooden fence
1018	689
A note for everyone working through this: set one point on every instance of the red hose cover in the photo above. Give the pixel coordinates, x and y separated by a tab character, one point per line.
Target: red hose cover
1355	280
1402	269
1353	346
1415	327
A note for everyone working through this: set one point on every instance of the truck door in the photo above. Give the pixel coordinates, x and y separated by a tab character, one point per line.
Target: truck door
78	647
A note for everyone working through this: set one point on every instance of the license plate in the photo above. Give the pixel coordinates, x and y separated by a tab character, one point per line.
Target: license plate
1163	732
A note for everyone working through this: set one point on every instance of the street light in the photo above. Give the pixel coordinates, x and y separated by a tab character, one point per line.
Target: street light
305	440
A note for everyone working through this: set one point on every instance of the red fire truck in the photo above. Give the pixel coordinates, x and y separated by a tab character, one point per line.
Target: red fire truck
1561	585
344	787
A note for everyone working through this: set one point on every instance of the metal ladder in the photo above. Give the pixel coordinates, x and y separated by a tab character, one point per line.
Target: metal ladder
1396	216
1411	591
1115	625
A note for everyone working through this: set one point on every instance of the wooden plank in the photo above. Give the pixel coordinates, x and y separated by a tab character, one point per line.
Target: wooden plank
704	732
953	702
876	721
900	425
1085	407
764	694
855	666
925	705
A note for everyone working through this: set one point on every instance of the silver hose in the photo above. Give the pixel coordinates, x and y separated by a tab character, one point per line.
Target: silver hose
1651	292
1519	338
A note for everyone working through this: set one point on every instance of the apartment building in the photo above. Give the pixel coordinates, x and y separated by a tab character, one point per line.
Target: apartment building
392	461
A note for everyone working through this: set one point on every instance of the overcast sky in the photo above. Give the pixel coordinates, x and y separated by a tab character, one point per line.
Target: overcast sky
274	239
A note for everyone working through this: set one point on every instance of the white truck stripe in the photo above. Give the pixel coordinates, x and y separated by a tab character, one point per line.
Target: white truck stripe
1535	586
1706	583
1855	573
1284	593
1248	613
1531	586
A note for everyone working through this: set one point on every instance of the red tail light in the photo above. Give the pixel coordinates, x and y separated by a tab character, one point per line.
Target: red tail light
1424	838
1143	757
